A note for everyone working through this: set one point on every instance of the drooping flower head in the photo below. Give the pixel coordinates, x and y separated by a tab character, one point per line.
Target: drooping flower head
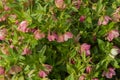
60	38
110	73
88	69
38	35
26	51
52	37
15	69
3	33
112	34
104	20
60	4
42	74
48	68
82	18
116	15
82	77
114	51
23	26
2	70
77	3
67	36
85	48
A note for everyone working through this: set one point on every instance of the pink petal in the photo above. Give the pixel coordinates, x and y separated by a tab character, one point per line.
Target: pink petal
42	74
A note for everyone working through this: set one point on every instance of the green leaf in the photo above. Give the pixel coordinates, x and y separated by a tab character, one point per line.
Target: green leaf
89	20
41	54
115	64
101	44
70	77
73	53
21	78
75	9
70	69
42	51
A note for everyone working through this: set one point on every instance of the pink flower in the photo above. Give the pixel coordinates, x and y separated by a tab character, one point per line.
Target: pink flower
48	68
38	35
6	8
60	38
88	69
23	26
82	18
32	30
95	79
104	20
112	34
16	22
52	37
11	46
2	70
67	36
110	73
3	33
5	49
72	61
85	48
26	51
3	18
42	74
77	3
13	16
60	4
82	77
116	15
15	69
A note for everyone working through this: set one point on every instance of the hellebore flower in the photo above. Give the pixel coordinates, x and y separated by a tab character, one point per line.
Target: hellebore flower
60	4
3	18
112	34
2	70
5	49
48	68
6	8
88	69
77	3
3	33
104	20
60	38
82	18
85	48
26	51
52	37
15	69
42	74
38	35
67	36
110	73
116	15
72	61
23	26
114	51
11	46
82	77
